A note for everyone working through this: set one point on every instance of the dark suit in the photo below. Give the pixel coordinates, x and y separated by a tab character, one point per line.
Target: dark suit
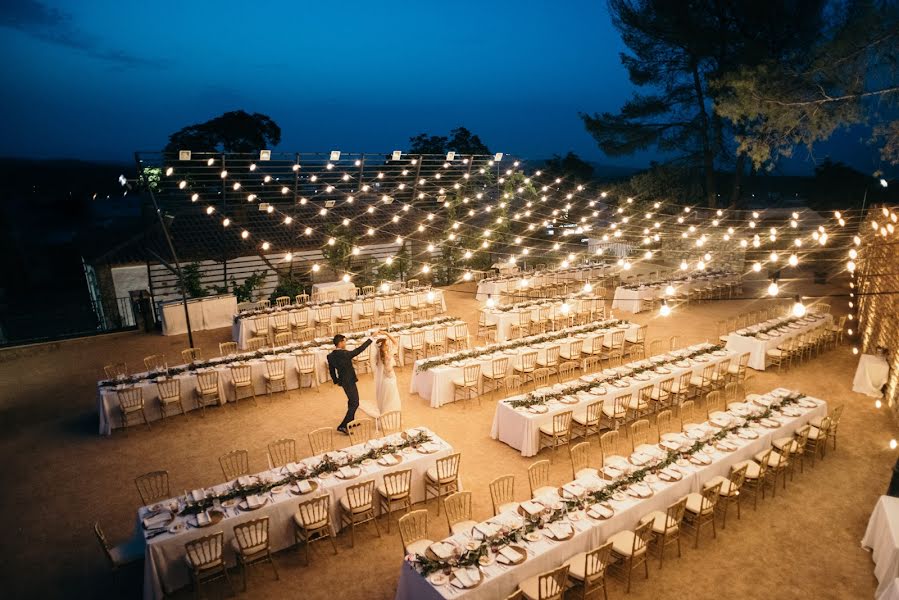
340	365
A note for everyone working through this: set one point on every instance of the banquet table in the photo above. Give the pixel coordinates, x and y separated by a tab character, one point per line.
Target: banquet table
870	375
165	569
631	300
545	553
211	312
242	329
743	340
520	427
882	537
436	384
338	290
505	318
494	286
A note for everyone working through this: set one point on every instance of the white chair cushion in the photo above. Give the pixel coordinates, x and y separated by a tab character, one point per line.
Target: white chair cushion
345	504
773	459
298	519
546	489
694	503
816	422
432	475
577	565
814	433
777	352
787	443
548	429
623	543
586	472
696	380
462	527
658	519
727	488
752	468
247	551
382	489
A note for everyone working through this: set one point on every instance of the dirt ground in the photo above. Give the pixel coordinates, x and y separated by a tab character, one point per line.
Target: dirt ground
61	476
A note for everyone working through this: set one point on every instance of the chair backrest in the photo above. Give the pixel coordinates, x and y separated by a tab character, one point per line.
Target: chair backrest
417	339
131	396
448	467
315	510
458	507
835	416
360	430
189	355
640	433
321	440
281	452
656	347
620	403
275	367
738	477
541	377
323	314
390	422
472	374
709	497
260	325
256	343
305	362
205	551
253	533
722	369
707	372
169	387
538	475
552	584
645	394
104	544
398	483
300	317
663	422
675	514
413	527
562	423
713	402
208	382
282	339
730	392
580	457
242	374
281	319
673	342
360	495
618	339
641	334
264	303
801	437
500	366
153	486
552	356
596	562
566	370
302	298
502	491
687	412
155	362
823	430
114	370
226	348
763	463
608	443
642	537
528	360
235	463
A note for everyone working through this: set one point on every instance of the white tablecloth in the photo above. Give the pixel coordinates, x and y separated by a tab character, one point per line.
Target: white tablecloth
631	300
165	570
882	537
205	313
505	318
891	592
243	328
757	348
495	286
871	374
521	429
589	533
436	384
344	290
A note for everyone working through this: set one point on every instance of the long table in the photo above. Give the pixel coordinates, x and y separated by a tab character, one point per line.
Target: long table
631	300
545	554
342	290
742	340
212	312
243	328
436	384
164	567
520	427
504	319
498	285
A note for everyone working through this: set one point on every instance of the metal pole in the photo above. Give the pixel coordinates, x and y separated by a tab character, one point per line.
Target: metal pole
168	239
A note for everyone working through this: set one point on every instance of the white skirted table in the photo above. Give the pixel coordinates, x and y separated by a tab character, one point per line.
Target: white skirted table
882	537
871	374
630	298
205	313
165	569
757	343
341	290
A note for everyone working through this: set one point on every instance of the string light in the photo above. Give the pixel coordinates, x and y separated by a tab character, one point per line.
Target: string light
798	306
773	289
664	309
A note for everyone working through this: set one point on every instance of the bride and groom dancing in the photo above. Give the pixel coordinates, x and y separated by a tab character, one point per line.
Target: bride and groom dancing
340	366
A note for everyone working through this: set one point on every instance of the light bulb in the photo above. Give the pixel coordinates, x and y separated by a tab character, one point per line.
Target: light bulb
701	265
565	308
893	444
877	404
773	257
793	260
346	277
853	253
588	288
850	266
683	265
315	268
855	350
426	269
798	307
757	266
467	276
773	289
669	291
627	266
664	310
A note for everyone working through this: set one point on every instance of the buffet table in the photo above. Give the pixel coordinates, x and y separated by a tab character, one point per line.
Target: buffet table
870	375
212	312
544	552
757	342
494	286
165	569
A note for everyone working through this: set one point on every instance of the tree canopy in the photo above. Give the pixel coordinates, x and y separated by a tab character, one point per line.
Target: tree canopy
570	167
460	140
235	131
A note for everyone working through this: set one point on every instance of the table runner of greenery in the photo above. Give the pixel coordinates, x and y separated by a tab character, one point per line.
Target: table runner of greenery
313	305
539	398
311	345
325	465
507	535
525	341
675	280
778	325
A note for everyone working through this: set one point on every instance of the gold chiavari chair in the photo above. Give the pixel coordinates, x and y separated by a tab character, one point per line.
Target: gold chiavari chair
169	389
588	570
360	431
458	338
495	376
190	355
580	460
664	423
261	327
281	452
251	544
282	339
153	487
306	369
468	383
414	532
206	561
235	464
524	371
155	362
640	403
390	422
486	331
321	440
502	494
120	555
438	343
443	478
207	390
702	384
227	348
522	327
573	352
730	491
731	394
630	549
541	378
255	344
714	403
557	433
688	415
661	394
641	434
395	489
538	479
275	376
656	347
282	301
551	361
673	342
242	382
720	374
414	345
312	522
131	403
816	444
756	475
835	416
666	527
794	446
457	507
567	369
587	423
701	509
639	340
546	586
681	389
322	320
615	411
115	370
358	507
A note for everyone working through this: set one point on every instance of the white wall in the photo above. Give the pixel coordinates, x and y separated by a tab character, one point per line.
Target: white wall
129	277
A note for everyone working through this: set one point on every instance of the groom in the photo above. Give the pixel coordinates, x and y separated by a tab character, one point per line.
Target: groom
340	365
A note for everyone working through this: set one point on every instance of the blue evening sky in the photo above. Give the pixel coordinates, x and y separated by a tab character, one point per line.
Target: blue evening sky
97	79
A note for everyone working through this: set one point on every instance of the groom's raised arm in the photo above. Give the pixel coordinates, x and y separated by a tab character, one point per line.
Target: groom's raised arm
356	352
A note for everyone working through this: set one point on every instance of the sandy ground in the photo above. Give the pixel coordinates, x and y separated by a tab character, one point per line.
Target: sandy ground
61	476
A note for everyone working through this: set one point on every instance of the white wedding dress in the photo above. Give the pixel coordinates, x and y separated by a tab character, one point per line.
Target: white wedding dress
387	393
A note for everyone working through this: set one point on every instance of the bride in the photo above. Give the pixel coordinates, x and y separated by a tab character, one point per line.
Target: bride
386	392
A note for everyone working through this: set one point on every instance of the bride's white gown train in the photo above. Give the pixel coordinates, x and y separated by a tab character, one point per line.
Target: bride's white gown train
387	394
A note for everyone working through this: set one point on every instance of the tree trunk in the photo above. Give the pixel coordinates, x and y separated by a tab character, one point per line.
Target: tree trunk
738	181
708	157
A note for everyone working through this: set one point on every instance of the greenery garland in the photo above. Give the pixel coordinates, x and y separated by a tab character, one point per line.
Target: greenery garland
325	465
323	303
525	341
783	322
312	345
575	386
468	558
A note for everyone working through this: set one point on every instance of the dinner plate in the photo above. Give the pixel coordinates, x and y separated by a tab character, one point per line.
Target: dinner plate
178	527
438	578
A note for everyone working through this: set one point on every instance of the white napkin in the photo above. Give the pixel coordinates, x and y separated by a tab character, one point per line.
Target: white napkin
574	489
487	529
559	530
507	555
611	471
198	495
244	481
293	467
253	501
347	472
389	460
157	520
430	447
670	444
532	508
304	486
467	577
203	519
601	511
670	474
442	550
